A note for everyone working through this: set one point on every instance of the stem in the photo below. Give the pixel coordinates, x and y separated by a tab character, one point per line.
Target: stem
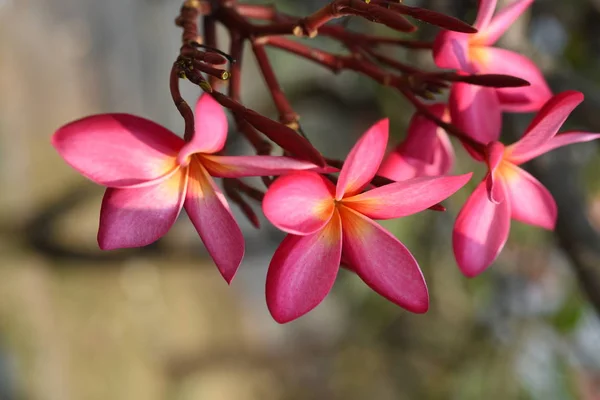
182	106
287	115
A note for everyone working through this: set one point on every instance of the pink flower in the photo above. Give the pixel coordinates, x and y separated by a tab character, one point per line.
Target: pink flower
150	174
327	223
474	54
483	224
426	151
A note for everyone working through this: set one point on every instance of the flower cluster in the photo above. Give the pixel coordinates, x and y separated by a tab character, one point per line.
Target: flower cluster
328	209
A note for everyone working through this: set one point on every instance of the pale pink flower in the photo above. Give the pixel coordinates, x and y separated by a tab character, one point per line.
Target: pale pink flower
426	151
483	224
151	173
475	54
328	223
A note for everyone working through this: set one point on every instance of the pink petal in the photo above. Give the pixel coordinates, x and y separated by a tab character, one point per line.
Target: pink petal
210	132
426	151
303	270
405	198
530	201
383	262
140	216
443	160
544	126
494	156
215	224
300	203
501	22
531	98
241	166
399	167
560	140
451	51
484	14
422	135
480	231
364	160
476	111
118	150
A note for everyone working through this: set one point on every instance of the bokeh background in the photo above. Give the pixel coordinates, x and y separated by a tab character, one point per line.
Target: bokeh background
160	323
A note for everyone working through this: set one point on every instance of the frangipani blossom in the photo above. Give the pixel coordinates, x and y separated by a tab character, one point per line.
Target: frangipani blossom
426	151
483	224
475	54
151	173
328	223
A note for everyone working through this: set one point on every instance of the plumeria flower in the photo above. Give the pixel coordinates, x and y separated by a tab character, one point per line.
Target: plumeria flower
426	151
328	223
483	224
475	54
151	173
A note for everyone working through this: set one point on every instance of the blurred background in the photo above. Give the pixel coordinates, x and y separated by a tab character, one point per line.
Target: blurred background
160	323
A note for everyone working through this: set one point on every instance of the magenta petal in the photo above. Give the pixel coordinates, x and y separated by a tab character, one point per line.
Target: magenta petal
494	156
521	99
140	216
399	167
300	203
451	51
383	262
364	159
407	197
560	140
302	271
443	160
544	126
476	111
205	205
530	201
210	132
118	150
480	231
242	166
422	135
501	22
426	151
484	14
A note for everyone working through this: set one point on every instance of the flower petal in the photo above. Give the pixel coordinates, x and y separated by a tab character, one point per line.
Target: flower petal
494	156
405	198
210	132
422	135
383	262
303	270
399	167
530	201
476	111
443	159
426	151
544	126
480	231
241	166
300	203
140	216
501	22
205	205
118	150
484	14
560	140
451	51
531	98
364	159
